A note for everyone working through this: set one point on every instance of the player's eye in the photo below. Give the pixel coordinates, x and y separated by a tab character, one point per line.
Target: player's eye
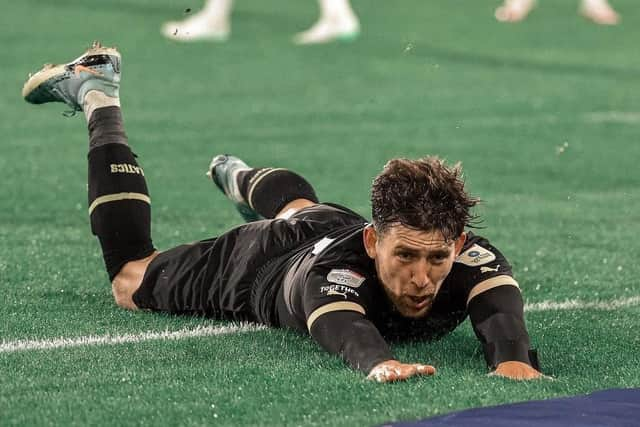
405	256
438	259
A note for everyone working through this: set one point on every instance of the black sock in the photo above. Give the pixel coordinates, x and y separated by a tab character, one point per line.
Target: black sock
119	204
268	190
106	127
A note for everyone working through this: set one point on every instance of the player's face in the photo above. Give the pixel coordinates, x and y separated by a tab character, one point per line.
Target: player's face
411	265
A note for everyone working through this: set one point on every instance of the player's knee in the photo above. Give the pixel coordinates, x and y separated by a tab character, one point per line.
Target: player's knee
128	280
123	290
276	189
293	207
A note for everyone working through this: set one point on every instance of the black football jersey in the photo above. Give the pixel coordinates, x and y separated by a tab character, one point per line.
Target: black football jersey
336	272
312	269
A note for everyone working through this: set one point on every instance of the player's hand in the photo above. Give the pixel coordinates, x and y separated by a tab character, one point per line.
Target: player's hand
392	370
516	371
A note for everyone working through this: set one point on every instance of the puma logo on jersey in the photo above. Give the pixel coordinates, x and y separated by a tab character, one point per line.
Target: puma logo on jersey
126	168
488	269
334	292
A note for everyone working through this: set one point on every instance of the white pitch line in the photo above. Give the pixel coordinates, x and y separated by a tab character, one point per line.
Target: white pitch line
209	331
581	305
624	117
200	331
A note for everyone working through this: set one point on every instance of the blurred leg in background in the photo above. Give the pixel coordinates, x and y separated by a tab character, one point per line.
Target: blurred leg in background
598	11
514	10
212	23
337	21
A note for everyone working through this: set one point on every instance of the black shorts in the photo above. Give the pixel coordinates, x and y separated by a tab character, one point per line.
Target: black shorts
215	277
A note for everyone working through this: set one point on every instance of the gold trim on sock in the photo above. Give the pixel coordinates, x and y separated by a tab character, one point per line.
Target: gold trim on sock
257	181
118	196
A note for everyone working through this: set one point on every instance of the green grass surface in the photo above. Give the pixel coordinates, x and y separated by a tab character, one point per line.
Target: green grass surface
436	77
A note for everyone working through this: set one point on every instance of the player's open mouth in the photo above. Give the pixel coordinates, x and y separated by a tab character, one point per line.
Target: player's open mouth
419	302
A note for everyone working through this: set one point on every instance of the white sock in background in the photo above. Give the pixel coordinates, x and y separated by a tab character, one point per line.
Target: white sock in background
337	21
514	10
211	23
339	10
217	10
599	11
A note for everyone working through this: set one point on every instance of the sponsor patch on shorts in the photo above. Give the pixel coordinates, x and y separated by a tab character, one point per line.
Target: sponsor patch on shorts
476	255
345	277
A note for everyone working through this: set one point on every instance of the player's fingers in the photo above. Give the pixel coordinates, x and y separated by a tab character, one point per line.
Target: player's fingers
512	375
390	375
425	369
528	376
384	374
518	374
406	371
395	375
535	375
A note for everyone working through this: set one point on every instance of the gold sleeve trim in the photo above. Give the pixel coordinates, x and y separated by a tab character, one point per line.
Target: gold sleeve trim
334	306
118	196
255	184
490	284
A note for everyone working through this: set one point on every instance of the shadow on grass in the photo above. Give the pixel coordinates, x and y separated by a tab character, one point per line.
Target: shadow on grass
426	51
175	11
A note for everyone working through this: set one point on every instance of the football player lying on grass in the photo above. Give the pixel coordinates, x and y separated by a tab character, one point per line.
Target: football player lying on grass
412	273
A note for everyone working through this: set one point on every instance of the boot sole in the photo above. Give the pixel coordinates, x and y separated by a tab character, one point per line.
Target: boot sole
48	72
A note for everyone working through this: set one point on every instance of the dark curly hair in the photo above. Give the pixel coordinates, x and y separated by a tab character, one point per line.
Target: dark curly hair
422	194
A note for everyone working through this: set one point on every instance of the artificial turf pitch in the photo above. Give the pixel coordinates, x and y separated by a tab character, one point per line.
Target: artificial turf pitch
543	115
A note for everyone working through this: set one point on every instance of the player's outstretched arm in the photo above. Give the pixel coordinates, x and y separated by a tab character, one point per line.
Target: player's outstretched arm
336	318
393	370
353	337
498	320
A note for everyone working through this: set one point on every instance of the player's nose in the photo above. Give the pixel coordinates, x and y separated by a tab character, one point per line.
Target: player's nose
420	274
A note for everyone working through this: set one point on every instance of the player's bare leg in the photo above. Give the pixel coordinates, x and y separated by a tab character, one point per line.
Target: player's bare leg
599	11
337	21
293	207
128	280
119	203
212	23
259	193
514	10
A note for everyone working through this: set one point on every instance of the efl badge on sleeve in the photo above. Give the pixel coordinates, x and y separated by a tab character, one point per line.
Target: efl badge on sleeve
476	255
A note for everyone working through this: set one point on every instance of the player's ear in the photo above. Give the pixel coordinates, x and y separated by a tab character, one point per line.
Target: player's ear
460	243
370	238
